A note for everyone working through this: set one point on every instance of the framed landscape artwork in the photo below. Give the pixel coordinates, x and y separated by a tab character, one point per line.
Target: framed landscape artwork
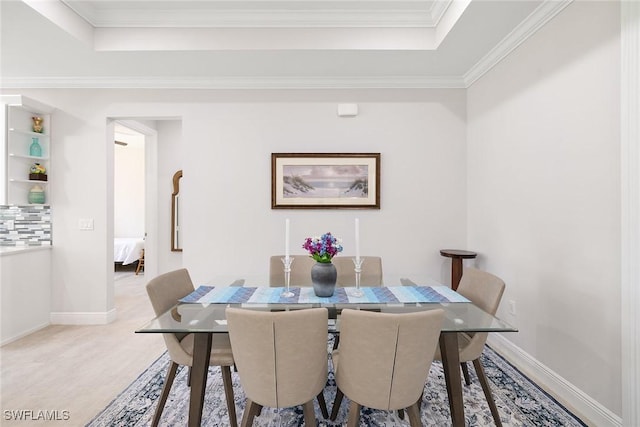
325	180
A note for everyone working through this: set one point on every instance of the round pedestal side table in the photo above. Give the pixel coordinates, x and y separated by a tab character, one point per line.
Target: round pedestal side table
457	255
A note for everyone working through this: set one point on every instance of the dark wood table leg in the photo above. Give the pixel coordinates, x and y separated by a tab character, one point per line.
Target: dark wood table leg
451	366
456	272
199	370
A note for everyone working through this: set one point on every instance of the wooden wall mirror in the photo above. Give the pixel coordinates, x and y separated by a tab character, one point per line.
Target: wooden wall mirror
176	242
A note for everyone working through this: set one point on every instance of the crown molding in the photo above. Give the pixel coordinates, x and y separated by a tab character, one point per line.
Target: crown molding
270	19
282	14
295	82
438	10
536	20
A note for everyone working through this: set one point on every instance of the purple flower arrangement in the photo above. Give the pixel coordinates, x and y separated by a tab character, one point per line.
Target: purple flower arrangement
323	248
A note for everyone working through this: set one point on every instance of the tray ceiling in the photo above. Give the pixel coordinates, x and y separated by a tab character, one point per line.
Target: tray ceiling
263	43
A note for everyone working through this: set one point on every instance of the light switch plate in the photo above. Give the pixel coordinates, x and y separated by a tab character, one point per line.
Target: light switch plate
85	224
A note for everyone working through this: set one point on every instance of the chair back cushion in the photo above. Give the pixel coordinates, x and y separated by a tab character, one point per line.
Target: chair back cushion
301	271
485	290
384	358
164	292
166	289
281	356
371	274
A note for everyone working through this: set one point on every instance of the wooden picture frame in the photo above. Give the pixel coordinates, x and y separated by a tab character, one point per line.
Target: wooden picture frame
325	180
176	241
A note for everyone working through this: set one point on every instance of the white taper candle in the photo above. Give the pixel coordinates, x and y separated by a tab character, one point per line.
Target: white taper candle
357	239
286	239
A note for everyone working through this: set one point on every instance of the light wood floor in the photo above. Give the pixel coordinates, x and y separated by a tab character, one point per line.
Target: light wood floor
79	369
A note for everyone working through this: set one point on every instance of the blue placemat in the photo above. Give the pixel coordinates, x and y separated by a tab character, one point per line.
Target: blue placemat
305	295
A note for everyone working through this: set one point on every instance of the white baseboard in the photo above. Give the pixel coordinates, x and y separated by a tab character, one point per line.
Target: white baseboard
578	402
83	318
23	334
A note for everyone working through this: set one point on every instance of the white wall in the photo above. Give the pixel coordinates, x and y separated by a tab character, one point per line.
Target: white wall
544	194
229	226
169	162
129	186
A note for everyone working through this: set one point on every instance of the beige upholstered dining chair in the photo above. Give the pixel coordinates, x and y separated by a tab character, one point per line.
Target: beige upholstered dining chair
164	292
301	271
399	348
281	358
485	291
371	271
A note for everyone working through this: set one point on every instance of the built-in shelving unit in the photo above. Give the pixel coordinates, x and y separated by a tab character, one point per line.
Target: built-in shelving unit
18	133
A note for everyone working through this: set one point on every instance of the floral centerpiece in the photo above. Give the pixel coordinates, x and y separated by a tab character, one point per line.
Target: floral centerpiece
323	248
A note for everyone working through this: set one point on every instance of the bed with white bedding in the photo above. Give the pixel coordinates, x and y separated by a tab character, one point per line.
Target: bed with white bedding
126	250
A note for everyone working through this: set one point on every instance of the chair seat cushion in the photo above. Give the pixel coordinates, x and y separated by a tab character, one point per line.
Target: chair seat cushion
221	354
467	353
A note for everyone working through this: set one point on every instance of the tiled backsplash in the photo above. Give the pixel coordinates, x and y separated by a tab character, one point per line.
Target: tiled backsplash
25	225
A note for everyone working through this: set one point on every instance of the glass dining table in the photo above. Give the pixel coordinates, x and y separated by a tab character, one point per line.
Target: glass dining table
203	314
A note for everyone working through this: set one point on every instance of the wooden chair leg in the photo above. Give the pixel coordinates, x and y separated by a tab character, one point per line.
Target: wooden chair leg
487	392
228	392
323	405
414	415
309	414
168	382
354	414
140	263
250	411
465	373
189	377
418	406
336	405
336	341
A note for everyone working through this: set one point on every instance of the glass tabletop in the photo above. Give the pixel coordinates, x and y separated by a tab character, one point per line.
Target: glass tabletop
198	318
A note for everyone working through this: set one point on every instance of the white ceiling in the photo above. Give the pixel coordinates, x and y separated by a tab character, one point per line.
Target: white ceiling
261	43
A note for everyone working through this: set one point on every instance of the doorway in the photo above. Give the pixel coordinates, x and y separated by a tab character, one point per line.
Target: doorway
141	187
129	228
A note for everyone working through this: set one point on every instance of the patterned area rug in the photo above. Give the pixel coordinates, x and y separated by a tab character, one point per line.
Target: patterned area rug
520	402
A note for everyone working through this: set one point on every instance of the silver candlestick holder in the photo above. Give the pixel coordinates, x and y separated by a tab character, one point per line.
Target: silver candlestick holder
357	263
287	261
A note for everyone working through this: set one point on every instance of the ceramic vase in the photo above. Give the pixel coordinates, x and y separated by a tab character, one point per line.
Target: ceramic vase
323	277
35	149
36	195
